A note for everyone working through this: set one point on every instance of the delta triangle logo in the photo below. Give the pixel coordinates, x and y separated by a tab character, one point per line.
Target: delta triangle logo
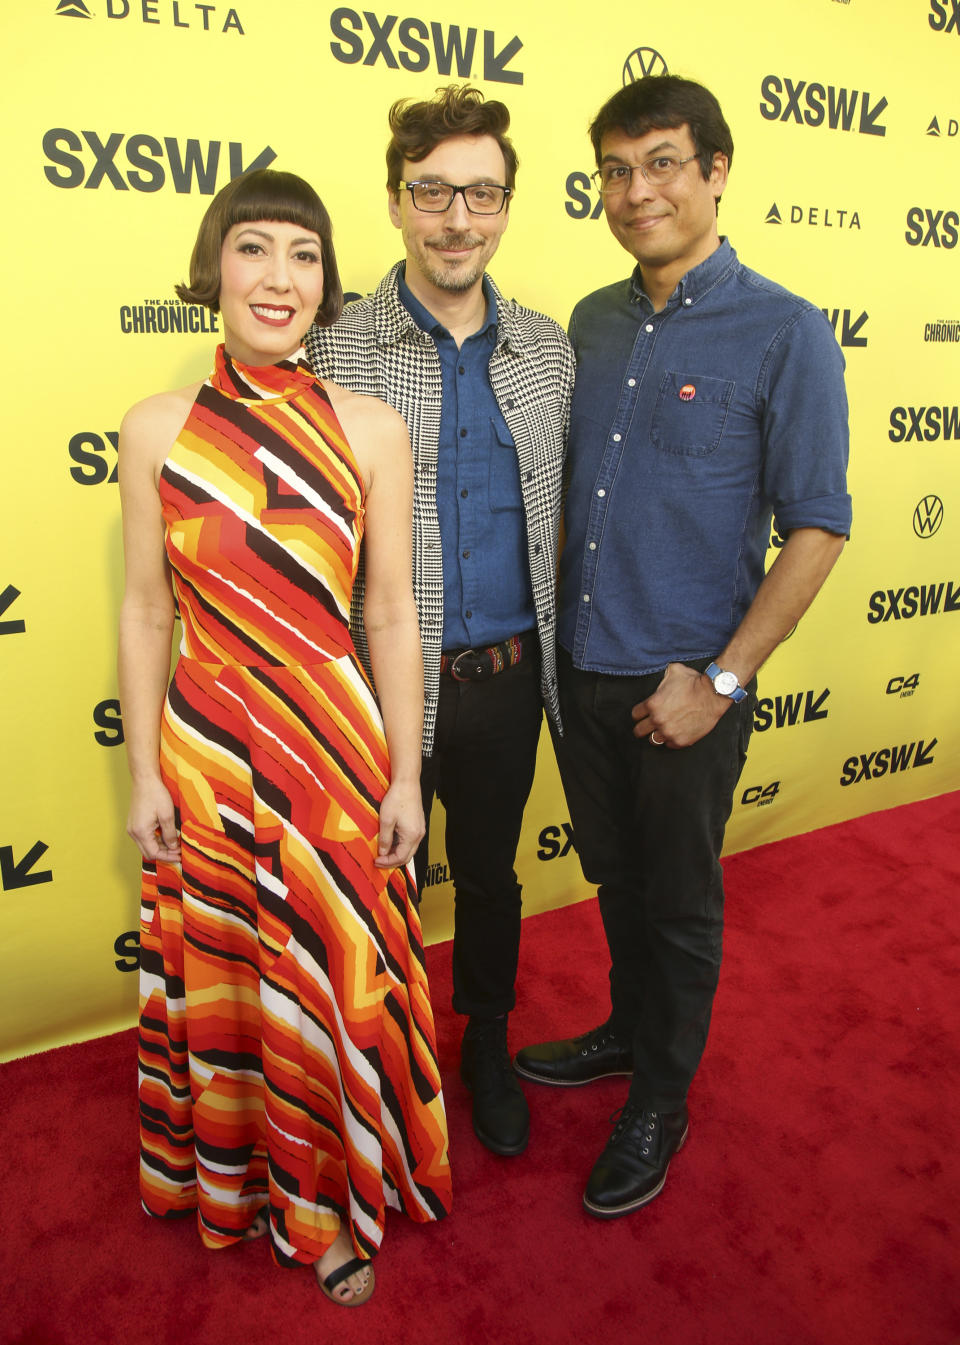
934	127
773	215
73	9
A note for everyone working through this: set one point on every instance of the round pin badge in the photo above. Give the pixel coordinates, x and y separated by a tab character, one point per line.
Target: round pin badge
687	392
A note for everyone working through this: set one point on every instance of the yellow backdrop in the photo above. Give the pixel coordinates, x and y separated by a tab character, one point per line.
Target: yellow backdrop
124	116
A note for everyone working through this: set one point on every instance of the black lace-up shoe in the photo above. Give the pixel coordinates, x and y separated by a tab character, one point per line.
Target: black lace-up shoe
576	1060
501	1119
633	1167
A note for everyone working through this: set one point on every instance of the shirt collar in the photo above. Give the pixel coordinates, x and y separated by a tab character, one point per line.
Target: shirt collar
696	283
428	323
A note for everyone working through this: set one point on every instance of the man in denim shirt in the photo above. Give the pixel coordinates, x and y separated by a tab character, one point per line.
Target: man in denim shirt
708	401
484	386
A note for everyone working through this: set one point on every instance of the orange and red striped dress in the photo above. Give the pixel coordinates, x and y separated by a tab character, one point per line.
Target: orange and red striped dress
287	1048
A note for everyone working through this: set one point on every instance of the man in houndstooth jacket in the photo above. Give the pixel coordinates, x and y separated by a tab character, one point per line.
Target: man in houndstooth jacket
484	386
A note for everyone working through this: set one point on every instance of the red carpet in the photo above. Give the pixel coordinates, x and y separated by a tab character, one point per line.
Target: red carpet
814	1204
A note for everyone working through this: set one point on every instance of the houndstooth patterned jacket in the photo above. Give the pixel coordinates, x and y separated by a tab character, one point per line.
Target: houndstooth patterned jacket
377	348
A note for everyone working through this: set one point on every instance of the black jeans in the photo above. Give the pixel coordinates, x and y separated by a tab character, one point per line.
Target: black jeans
482	767
648	822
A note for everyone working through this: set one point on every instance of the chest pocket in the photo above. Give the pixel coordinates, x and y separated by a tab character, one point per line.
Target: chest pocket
504	469
690	413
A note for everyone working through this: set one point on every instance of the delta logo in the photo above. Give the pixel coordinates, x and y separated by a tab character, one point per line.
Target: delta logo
815	216
158	13
887	761
798	707
808	103
952	125
913	600
415	45
147	163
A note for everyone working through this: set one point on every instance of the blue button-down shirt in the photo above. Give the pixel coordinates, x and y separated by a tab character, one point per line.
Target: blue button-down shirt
487	595
690	428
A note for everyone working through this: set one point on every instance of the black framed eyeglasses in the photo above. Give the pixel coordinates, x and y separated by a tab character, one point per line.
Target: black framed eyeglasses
480	198
614	178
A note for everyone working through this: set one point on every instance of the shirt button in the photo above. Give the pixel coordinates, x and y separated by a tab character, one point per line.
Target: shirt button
463	434
593	546
687	302
537	549
468	613
466	555
617	438
631	382
649	327
586	597
600	494
464	494
461	370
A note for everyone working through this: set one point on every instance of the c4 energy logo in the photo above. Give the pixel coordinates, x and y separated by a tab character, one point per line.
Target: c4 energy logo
903	686
927	227
812	104
410	44
641	62
846	327
815	216
903	604
800	707
926	422
928	516
150	164
759	796
944	16
170	13
887	761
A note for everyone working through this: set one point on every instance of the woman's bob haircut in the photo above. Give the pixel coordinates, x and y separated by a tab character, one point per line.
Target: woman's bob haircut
262	195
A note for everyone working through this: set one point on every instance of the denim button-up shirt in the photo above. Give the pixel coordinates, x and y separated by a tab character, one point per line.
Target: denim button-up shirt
690	428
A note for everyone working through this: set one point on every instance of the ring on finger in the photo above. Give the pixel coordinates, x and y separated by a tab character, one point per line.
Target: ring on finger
657	742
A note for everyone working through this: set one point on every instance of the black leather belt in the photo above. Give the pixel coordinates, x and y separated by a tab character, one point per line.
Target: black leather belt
479	665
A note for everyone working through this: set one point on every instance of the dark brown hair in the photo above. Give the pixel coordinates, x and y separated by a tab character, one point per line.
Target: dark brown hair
418	128
658	102
262	195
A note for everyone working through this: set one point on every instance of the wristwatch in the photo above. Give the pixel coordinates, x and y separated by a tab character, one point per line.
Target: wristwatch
725	683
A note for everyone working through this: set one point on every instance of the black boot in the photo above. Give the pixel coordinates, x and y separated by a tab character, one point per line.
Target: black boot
501	1119
633	1167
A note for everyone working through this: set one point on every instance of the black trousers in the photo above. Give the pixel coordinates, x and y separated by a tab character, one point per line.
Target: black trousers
648	823
482	768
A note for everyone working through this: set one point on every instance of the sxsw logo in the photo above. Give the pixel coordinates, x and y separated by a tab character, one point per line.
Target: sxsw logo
846	327
812	104
944	16
926	422
924	227
95	456
21	872
178	14
412	43
8	597
953	126
109	722
149	163
555	842
580	203
801	707
903	604
127	948
815	216
888	760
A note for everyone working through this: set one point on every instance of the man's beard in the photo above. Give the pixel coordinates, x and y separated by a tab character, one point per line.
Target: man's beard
447	278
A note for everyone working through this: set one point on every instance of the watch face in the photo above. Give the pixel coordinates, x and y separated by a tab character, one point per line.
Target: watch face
726	683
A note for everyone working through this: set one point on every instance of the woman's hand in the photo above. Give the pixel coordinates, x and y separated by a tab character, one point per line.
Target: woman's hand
152	822
401	825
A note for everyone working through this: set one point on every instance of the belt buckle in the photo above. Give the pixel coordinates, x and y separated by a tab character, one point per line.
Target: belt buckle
479	674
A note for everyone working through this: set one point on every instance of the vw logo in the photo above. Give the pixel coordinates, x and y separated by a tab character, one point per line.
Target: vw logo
643	61
928	516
